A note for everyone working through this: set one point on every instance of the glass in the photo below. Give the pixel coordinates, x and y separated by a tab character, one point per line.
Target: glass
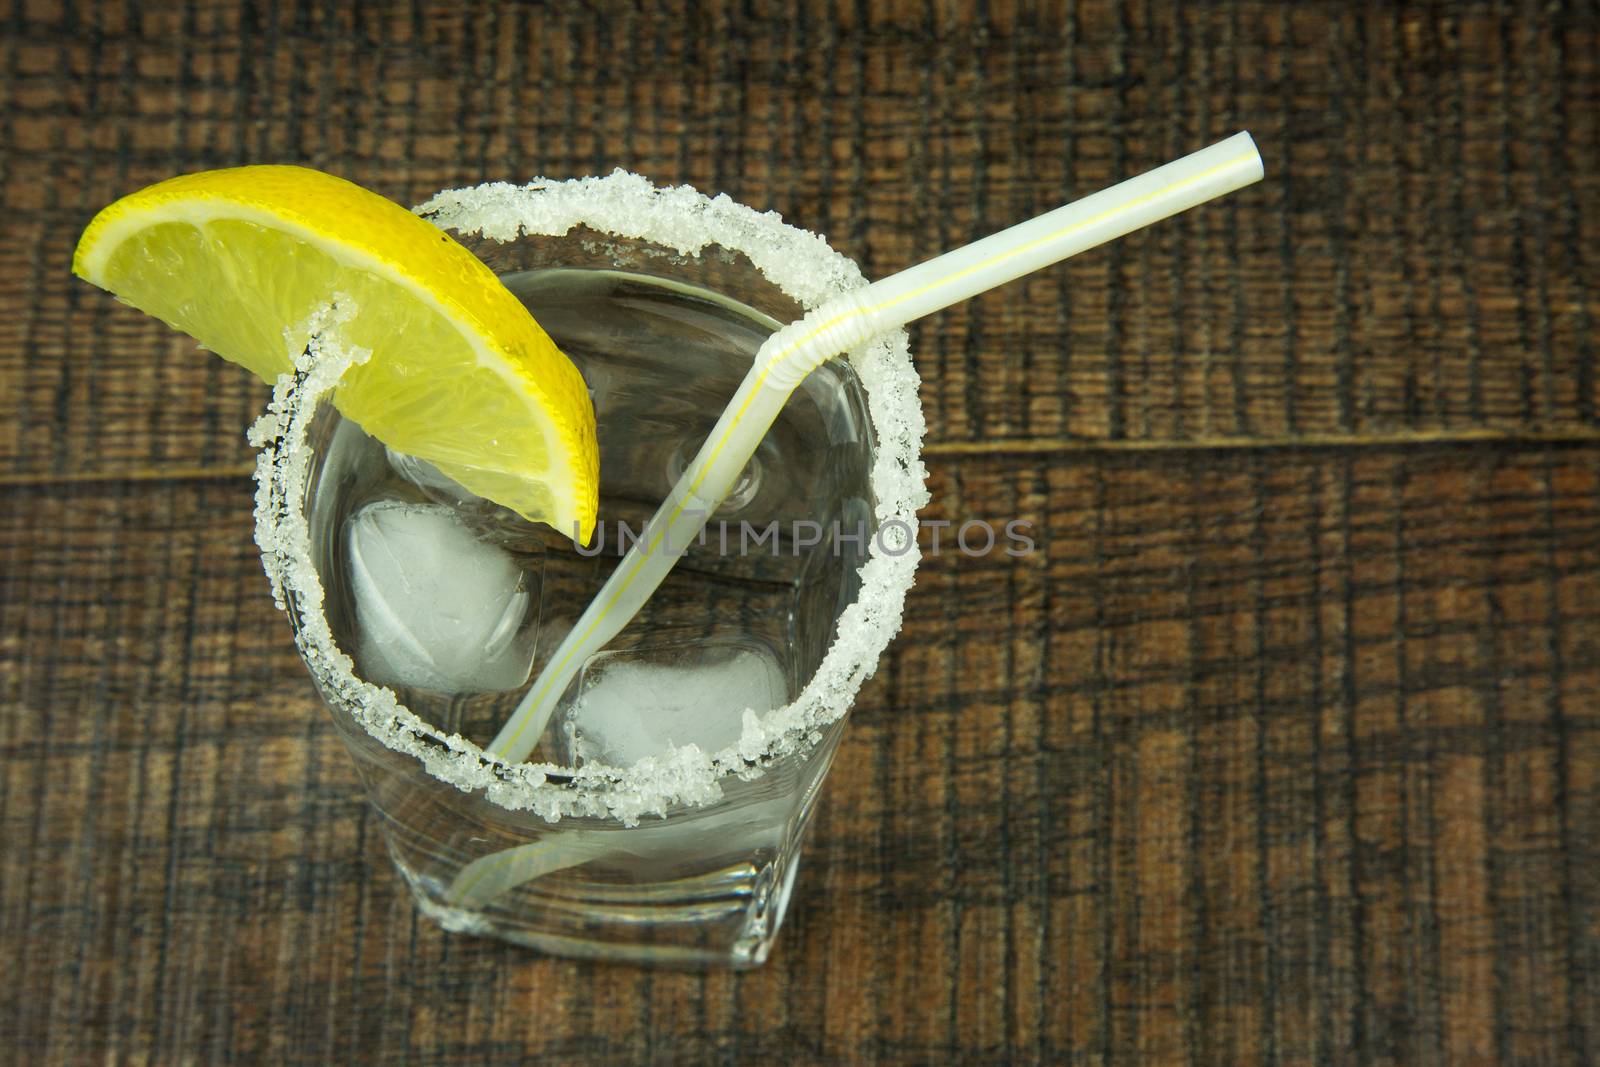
682	768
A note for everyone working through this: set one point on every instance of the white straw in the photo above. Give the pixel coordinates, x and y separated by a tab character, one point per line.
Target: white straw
839	325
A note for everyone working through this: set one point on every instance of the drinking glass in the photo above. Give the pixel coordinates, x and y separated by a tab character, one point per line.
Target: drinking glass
663	815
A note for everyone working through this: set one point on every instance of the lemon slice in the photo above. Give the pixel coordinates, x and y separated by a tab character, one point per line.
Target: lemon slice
461	375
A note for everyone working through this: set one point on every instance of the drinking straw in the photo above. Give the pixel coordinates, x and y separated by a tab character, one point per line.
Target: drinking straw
838	325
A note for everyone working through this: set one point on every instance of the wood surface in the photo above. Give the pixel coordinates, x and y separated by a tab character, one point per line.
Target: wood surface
1282	747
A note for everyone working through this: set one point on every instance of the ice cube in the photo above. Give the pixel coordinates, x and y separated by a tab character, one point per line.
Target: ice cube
435	607
634	703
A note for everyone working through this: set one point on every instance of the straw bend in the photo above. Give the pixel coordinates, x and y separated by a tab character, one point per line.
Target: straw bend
843	322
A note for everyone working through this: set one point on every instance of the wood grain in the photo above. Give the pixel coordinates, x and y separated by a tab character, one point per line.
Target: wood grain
1281	747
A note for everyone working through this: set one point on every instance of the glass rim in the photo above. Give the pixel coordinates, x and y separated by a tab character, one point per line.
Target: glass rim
799	263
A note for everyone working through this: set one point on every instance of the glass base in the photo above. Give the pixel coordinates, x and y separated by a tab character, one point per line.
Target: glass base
699	886
649	923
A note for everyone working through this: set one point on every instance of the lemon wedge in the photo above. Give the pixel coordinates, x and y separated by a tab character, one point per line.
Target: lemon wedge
461	375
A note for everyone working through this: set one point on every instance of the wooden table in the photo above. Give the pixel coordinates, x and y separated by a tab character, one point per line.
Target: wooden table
1281	748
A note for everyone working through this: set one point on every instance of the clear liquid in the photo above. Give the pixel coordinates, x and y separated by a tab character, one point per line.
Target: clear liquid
661	360
726	629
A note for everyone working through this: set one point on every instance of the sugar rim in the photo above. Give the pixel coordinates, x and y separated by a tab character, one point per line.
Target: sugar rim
799	263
